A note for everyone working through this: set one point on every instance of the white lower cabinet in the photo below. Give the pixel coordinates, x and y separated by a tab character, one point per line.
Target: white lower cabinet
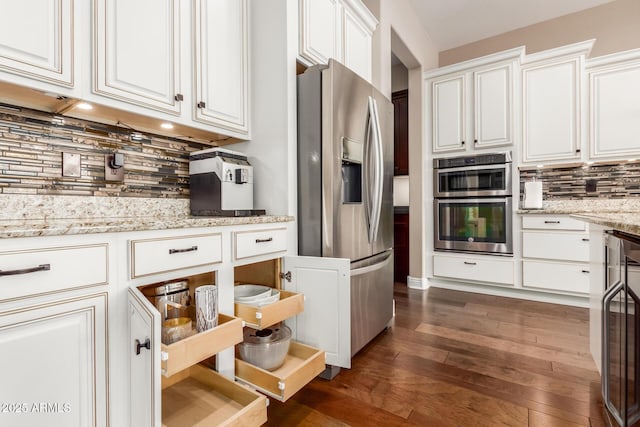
555	254
53	363
474	268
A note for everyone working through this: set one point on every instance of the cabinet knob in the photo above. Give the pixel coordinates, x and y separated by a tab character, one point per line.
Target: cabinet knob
462	143
201	104
475	141
139	346
179	97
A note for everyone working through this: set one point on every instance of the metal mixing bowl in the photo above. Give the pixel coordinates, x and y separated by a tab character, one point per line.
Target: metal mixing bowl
266	348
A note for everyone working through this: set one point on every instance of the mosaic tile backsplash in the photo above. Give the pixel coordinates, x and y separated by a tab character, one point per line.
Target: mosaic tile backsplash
32	143
607	180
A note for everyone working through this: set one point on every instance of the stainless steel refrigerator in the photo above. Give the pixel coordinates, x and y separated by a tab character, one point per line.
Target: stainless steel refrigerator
345	200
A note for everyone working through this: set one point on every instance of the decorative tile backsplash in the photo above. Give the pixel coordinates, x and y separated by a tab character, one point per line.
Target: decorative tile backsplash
606	180
32	143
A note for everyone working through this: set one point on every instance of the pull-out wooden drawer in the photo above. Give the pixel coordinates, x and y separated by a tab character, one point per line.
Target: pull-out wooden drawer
25	273
476	269
557	246
552	222
302	364
151	256
259	242
189	351
556	276
199	396
289	305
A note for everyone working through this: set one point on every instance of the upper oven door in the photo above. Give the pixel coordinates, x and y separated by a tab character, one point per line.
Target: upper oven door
473	181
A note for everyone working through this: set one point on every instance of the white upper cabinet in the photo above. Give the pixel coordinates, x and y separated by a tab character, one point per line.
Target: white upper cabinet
471	104
338	29
222	63
320	30
614	97
137	56
36	41
552	97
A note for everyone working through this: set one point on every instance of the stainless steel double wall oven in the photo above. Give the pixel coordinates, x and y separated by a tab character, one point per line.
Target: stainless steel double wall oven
473	203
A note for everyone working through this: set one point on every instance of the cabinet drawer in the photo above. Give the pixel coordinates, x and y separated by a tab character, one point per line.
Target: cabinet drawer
259	242
43	271
151	256
474	269
302	364
289	305
552	222
199	396
189	351
556	276
558	246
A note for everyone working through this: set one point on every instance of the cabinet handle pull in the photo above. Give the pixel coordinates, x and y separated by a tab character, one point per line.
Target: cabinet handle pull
470	263
179	251
270	239
41	267
552	222
179	97
586	271
146	344
201	104
585	239
577	150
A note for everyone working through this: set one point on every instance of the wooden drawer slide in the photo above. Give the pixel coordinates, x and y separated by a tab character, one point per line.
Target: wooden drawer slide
289	305
303	364
199	396
189	351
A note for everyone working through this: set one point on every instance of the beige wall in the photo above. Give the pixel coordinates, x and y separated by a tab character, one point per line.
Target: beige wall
399	30
615	26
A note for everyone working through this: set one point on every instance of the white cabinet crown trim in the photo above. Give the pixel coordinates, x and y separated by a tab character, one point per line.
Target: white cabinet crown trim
553	55
511	54
361	11
613	59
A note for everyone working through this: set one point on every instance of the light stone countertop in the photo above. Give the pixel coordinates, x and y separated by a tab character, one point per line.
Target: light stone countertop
628	222
586	206
34	215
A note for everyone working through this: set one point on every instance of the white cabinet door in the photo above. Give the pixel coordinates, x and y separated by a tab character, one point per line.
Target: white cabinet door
493	106
357	45
144	363
36	40
221	64
615	111
137	55
326	320
448	113
53	364
551	111
320	30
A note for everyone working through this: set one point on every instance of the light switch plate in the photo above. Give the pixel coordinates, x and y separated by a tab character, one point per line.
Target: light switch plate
71	165
111	174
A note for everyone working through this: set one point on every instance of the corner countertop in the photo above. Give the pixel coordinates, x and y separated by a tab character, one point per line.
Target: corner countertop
624	221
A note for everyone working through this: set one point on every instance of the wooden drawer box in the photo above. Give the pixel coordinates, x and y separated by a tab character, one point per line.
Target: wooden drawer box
199	396
556	246
151	256
475	269
259	242
556	276
189	351
289	305
302	364
44	271
552	222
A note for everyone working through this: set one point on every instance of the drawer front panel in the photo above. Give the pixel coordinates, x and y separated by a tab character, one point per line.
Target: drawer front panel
260	242
556	276
151	256
44	271
552	222
474	269
558	246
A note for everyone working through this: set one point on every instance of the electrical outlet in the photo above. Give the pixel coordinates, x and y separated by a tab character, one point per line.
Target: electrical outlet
71	165
591	186
113	173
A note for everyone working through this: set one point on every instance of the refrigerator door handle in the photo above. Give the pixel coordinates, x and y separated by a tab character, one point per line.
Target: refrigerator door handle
378	172
367	170
385	259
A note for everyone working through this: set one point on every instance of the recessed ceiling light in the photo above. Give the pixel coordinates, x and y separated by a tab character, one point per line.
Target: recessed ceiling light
84	106
166	125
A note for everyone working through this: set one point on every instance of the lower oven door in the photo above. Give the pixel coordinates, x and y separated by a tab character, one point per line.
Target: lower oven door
476	225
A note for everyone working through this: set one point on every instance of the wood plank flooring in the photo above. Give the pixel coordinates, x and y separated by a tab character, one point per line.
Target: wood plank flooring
461	359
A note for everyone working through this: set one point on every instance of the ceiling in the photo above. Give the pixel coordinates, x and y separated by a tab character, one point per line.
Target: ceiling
453	23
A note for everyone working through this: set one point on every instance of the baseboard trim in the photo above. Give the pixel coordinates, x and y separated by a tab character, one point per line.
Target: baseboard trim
417	283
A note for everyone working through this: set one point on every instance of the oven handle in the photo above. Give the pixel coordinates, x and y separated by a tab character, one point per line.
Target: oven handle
505	166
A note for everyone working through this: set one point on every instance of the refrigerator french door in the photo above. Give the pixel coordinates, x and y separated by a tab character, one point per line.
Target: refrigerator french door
345	200
621	331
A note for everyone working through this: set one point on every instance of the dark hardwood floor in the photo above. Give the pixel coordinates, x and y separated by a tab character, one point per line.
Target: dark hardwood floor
461	359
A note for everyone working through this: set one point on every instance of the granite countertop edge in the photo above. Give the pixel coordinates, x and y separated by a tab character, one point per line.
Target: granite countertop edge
623	221
12	228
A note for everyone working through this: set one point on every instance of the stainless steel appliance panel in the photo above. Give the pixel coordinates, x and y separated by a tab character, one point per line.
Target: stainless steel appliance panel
371	298
475	181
